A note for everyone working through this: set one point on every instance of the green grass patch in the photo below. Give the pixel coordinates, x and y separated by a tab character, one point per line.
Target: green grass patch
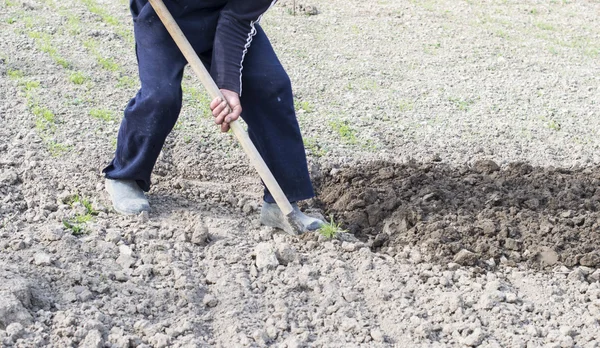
331	229
303	106
314	147
553	125
96	9
15	74
44	114
57	149
343	129
127	82
105	62
43	42
108	64
77	223
197	98
102	114
77	78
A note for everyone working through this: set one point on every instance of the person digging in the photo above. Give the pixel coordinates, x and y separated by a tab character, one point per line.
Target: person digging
227	37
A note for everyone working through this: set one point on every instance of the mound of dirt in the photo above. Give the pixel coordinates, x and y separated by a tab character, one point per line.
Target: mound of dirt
516	214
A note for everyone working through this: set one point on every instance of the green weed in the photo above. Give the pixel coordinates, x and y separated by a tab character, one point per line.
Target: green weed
44	114
313	146
44	43
106	63
76	224
197	99
102	114
304	106
75	229
77	78
15	74
343	129
331	229
101	12
127	82
555	126
57	149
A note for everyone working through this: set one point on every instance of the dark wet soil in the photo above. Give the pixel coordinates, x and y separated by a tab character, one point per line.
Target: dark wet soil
520	213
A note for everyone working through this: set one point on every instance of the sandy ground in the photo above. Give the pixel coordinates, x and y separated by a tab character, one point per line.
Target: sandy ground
457	140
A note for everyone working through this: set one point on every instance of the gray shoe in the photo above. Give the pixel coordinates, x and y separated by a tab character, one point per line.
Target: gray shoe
271	215
127	196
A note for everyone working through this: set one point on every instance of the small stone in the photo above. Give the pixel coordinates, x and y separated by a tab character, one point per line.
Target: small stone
143	217
113	235
271	331
17	245
513	244
160	340
53	234
548	257
466	258
377	335
474	339
265	256
590	259
42	259
286	254
12	310
125	258
566	330
488	227
594	277
200	235
511	298
486	166
576	275
93	339
567	342
15	331
260	337
85	295
349	247
210	301
452	266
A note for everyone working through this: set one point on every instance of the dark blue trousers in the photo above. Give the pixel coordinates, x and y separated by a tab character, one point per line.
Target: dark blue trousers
267	102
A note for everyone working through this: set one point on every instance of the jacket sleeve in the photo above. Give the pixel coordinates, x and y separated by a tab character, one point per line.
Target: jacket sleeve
235	31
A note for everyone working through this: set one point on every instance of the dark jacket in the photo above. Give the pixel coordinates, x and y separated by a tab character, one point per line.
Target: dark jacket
235	28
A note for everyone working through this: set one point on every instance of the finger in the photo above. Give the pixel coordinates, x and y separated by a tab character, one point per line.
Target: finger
220	118
224	113
215	102
234	114
224	127
219	109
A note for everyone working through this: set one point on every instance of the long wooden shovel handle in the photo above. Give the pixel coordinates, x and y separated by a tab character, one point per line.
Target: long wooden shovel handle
204	76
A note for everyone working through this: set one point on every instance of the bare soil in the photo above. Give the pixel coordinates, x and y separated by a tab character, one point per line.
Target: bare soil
459	141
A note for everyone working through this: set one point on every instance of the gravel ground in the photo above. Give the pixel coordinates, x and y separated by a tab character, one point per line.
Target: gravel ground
457	141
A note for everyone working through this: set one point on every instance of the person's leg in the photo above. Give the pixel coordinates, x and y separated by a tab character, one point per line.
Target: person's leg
149	116
268	109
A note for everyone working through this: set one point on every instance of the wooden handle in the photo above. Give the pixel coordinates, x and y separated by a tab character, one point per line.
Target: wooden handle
190	54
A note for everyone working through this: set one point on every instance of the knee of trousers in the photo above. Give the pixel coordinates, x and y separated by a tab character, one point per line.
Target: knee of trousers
271	84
